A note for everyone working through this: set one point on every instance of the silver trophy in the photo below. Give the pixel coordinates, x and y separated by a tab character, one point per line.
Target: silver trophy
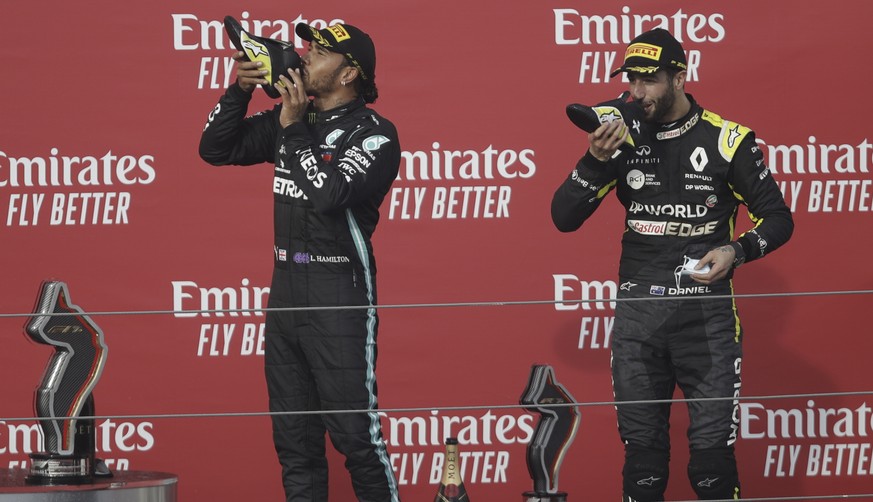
65	391
553	434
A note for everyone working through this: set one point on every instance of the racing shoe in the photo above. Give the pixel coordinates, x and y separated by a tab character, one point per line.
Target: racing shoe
277	56
589	118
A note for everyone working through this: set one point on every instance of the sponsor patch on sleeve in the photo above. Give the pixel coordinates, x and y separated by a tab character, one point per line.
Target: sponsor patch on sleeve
729	140
373	143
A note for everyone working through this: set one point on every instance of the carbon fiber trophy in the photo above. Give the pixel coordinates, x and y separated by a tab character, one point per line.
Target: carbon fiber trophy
65	391
553	434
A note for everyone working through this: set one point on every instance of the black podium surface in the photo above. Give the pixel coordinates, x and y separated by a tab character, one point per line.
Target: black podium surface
124	486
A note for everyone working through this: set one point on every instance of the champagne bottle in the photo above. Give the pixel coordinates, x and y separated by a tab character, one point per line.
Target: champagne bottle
452	486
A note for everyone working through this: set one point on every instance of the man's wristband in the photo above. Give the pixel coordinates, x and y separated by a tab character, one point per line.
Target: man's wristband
739	254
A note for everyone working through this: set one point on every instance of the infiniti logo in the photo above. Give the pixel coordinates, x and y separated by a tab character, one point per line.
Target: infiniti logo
644	150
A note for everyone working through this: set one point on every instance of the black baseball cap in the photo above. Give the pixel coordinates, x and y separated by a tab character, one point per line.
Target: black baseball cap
347	40
652	51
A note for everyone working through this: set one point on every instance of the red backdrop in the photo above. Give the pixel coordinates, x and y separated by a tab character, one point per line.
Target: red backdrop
101	187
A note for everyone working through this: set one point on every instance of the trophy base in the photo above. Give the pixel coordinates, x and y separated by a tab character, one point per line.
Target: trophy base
544	497
52	469
125	486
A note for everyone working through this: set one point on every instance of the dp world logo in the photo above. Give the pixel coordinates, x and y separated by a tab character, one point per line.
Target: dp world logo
301	257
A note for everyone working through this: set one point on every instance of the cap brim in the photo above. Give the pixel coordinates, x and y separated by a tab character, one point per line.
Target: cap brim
646	70
312	35
304	31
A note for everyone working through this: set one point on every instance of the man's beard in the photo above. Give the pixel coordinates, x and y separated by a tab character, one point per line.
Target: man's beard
323	85
662	108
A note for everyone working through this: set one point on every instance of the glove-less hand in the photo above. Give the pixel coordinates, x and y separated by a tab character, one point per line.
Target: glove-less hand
590	118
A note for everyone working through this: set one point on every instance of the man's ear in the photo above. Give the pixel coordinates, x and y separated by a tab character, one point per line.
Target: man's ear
349	74
679	79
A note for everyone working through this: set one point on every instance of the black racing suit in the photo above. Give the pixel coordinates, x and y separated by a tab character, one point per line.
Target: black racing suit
332	172
681	187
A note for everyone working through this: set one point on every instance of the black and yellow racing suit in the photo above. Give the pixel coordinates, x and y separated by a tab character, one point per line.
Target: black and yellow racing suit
681	186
